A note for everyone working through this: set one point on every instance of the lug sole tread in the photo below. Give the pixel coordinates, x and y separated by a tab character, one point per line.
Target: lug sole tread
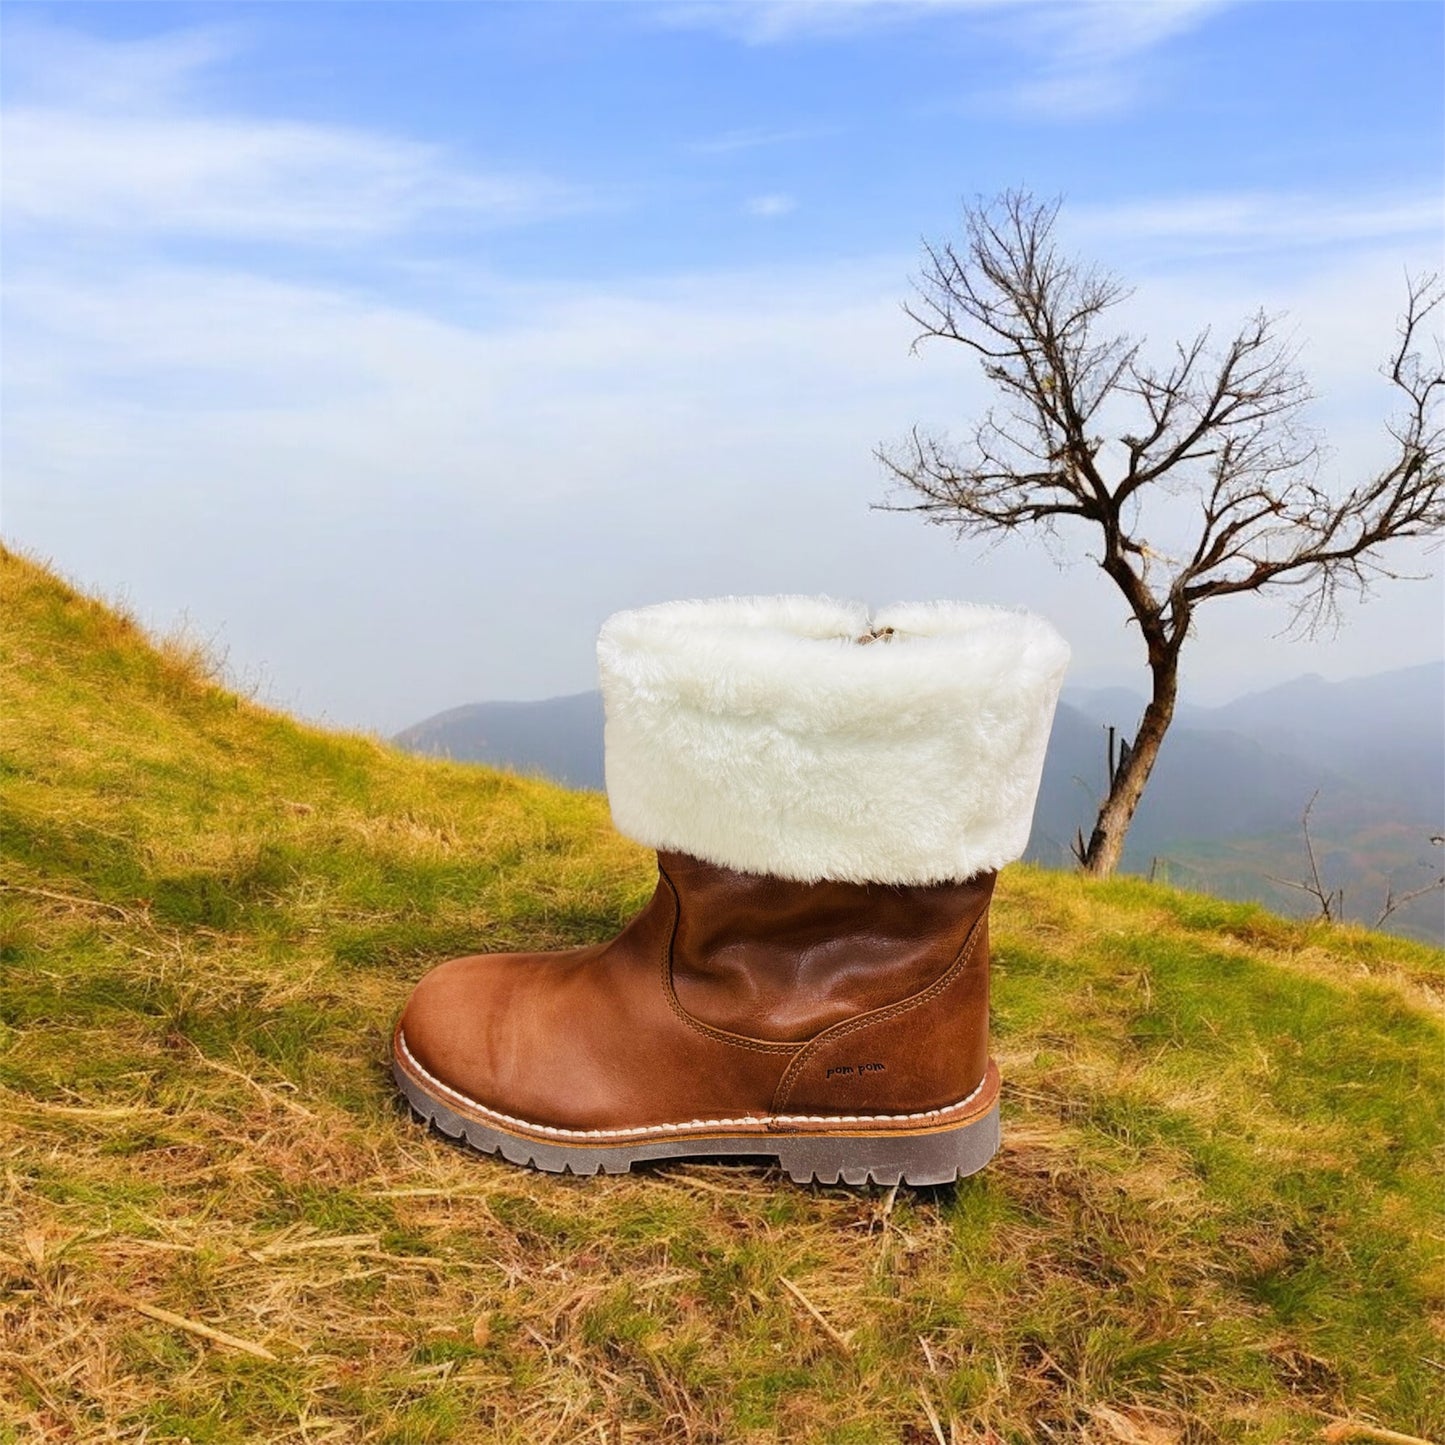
855	1159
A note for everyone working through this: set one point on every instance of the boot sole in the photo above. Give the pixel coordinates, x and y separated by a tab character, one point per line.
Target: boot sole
938	1154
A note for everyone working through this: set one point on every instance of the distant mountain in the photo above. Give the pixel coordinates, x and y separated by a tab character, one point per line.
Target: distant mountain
1387	730
1222	810
560	738
1207	785
1223	807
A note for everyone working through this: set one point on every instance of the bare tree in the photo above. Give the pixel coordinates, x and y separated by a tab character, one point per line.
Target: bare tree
1222	427
1331	901
1395	900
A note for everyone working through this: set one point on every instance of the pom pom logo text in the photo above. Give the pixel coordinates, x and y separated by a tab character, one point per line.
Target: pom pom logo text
854	1069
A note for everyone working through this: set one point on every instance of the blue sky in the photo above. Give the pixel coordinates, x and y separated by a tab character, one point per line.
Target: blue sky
396	345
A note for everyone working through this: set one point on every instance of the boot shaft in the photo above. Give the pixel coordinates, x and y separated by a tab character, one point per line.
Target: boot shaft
775	959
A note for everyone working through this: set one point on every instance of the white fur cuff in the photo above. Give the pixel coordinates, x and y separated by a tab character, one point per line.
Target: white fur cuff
759	733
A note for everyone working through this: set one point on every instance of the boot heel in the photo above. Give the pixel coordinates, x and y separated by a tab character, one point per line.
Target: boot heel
938	1157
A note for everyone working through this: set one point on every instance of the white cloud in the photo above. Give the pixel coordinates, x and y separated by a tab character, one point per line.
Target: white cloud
771	205
1257	220
263	453
756	137
771	22
246	179
46	64
1073	29
363	492
113	138
1077	49
1090	32
1085	54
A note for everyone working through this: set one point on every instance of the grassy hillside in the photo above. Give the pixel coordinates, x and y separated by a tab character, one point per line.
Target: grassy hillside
1216	1216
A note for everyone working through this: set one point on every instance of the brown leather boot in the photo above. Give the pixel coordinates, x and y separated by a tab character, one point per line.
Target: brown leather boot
809	982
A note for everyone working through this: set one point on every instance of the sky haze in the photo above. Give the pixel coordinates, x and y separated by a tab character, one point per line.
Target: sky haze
393	346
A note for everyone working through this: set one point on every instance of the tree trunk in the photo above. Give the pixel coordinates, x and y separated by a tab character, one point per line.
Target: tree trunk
1106	843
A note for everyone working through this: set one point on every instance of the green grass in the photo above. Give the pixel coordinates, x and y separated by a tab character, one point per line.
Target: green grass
1216	1217
1365	862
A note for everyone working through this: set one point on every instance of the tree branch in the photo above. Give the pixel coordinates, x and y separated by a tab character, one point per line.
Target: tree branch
1224	427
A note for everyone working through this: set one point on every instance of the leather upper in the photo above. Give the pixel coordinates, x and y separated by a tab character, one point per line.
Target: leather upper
730	997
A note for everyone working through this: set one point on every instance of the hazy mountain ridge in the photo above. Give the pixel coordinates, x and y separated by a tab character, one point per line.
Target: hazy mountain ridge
1222	809
1388	727
559	738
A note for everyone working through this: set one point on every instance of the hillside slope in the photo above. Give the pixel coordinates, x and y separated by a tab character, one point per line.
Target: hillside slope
1215	1216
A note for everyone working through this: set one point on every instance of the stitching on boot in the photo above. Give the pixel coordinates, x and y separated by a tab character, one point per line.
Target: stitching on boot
753	1120
848	1026
738	1041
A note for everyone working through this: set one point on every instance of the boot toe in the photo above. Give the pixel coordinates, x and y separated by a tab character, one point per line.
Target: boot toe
444	1026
